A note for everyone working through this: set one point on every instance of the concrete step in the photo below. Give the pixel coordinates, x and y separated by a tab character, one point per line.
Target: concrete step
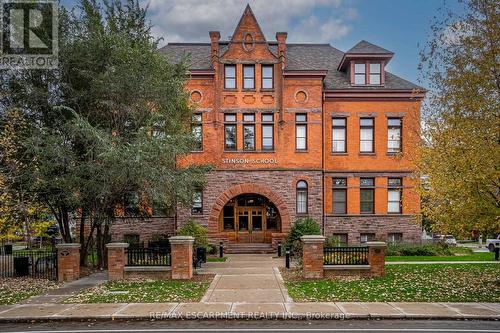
249	248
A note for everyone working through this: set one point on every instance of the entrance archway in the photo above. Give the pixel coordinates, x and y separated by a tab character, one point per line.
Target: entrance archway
248	213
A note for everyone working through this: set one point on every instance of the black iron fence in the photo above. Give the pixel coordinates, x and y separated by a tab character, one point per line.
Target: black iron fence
147	256
345	255
38	264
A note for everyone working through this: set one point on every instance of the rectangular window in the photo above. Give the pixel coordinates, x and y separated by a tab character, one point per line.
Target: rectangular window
367	195
339	195
197	207
375	73
301	131
131	205
228	217
230	76
339	239
267	132
248	77
267	77
160	209
132	240
366	238
339	135
366	135
393	135
360	73
230	134
249	131
197	130
394	189
395	237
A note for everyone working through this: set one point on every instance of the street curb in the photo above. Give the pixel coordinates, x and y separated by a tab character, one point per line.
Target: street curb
246	316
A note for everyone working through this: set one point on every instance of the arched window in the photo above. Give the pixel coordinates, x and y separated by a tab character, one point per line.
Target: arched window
301	197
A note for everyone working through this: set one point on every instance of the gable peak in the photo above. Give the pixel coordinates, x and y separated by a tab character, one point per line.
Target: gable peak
248	24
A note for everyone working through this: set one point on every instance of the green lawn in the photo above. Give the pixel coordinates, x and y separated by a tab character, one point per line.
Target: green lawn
411	283
143	292
479	256
216	259
14	290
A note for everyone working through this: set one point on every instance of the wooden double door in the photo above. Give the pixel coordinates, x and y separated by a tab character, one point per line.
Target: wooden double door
250	224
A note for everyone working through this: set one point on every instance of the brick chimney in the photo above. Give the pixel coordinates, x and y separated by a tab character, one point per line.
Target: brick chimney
214	41
281	38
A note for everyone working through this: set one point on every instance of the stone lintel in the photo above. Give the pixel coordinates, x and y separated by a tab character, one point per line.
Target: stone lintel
379	245
346	267
117	245
313	238
181	240
68	246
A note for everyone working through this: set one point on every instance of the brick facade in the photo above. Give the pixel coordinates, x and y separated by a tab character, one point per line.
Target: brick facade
315	82
117	260
146	228
381	226
68	262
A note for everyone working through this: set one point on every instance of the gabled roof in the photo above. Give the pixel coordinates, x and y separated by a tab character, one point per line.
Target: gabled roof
197	55
364	47
248	12
299	57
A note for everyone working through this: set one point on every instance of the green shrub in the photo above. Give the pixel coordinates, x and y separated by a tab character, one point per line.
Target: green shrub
419	250
212	249
301	227
199	232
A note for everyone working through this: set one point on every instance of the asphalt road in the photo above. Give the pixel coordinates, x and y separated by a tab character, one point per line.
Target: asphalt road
351	326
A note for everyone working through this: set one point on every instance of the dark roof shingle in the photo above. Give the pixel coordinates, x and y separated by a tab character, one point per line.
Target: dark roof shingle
367	47
299	57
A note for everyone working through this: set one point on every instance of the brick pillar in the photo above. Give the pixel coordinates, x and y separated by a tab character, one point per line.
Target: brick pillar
312	256
116	261
68	262
182	257
376	258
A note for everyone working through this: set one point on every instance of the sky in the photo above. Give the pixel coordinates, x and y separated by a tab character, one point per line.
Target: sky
401	26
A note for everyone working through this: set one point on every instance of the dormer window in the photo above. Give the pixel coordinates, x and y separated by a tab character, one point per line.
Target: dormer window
367	73
360	73
375	73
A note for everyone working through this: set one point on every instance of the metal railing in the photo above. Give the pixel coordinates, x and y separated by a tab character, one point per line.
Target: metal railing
345	255
37	264
148	256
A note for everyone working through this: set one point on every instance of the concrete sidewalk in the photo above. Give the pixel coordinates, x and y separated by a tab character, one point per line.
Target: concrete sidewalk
226	310
246	278
68	289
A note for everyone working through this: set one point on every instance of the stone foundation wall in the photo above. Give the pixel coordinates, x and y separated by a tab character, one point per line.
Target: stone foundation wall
147	228
283	183
380	225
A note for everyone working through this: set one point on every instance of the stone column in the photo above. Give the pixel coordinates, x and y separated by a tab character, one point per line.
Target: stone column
376	258
116	261
312	256
68	262
182	257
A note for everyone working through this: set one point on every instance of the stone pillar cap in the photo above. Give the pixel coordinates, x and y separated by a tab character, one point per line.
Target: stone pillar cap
68	246
313	238
376	244
117	245
181	239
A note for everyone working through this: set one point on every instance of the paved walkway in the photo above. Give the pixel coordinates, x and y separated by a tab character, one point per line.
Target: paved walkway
68	289
225	310
245	286
246	278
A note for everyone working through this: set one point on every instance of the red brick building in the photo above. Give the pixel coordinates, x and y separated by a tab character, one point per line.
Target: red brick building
296	130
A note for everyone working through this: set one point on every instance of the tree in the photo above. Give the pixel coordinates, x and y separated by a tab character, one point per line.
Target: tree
460	154
116	122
